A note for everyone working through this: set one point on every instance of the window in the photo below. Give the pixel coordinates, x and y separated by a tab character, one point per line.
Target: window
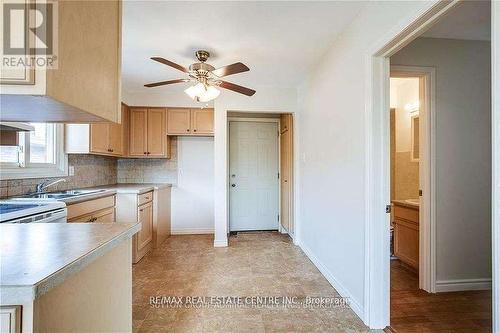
39	153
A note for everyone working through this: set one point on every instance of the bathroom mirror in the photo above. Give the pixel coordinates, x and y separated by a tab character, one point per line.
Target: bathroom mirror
415	151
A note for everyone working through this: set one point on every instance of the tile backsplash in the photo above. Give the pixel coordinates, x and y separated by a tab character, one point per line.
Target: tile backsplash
90	170
95	170
136	170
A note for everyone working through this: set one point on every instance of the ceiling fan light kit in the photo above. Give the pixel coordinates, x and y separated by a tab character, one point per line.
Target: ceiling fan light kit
202	93
206	78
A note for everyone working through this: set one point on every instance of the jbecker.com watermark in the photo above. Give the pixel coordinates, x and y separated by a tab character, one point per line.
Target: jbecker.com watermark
30	34
247	302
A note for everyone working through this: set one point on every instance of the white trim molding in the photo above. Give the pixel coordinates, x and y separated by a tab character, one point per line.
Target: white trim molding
191	231
463	284
221	243
377	166
344	292
427	235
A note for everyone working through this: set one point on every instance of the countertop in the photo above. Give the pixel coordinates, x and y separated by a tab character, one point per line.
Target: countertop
36	257
137	188
405	203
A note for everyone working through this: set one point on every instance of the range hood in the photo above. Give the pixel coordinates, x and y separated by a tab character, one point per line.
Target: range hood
15	127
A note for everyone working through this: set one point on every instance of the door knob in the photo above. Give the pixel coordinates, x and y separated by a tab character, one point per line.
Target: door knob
233	185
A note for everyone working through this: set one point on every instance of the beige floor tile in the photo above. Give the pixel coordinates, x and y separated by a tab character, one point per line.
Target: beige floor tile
255	264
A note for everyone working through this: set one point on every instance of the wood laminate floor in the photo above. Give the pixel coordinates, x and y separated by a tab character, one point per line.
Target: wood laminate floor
255	264
414	310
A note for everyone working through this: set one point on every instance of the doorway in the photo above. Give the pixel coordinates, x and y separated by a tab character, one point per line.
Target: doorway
261	172
378	171
254	175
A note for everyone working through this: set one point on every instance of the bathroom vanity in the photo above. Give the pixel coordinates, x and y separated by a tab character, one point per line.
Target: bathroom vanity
406	231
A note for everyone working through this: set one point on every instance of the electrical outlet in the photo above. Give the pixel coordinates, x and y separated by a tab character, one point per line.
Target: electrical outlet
71	170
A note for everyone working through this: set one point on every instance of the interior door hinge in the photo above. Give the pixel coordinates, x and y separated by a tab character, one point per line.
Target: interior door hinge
278	217
278	175
388	209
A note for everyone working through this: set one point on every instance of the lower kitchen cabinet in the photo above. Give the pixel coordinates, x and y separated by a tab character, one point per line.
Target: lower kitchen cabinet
152	210
101	210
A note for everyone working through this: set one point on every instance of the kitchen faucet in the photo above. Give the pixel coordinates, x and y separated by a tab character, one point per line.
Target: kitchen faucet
43	185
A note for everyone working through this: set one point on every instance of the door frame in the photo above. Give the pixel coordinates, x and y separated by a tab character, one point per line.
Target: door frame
376	312
427	230
253	120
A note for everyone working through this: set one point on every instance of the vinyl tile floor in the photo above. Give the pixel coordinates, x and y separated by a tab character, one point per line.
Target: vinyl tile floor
265	264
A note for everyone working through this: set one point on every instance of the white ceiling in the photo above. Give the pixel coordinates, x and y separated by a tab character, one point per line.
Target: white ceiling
278	41
469	20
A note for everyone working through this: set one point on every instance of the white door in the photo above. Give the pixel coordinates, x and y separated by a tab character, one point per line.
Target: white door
253	176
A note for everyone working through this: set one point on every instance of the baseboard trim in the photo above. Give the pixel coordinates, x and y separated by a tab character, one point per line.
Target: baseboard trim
353	303
220	243
463	285
191	231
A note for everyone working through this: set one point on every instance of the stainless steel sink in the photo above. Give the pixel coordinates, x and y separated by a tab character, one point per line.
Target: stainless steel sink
61	194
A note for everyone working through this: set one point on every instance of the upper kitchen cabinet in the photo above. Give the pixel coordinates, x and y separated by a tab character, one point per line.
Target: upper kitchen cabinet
98	138
84	83
147	133
184	121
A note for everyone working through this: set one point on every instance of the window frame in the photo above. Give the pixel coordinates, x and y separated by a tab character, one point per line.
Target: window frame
26	170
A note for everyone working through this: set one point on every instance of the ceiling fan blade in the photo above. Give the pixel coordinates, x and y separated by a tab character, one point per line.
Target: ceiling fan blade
230	69
237	88
169	63
162	83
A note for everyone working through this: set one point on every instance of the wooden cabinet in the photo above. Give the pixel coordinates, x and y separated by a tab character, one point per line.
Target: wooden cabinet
86	84
202	121
101	210
98	138
147	133
182	121
138	132
145	235
406	234
152	210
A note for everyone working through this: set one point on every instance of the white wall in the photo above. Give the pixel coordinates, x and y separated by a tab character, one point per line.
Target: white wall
192	198
266	99
463	153
332	138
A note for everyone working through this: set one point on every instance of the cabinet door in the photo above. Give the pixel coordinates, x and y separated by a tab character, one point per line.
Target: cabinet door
138	142
99	138
179	121
156	133
145	235
202	121
116	139
104	216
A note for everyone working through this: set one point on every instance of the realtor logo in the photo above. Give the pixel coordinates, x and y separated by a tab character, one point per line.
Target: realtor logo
29	34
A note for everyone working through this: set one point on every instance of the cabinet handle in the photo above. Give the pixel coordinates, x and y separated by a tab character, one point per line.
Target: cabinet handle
194	130
112	150
149	153
145	153
141	210
187	130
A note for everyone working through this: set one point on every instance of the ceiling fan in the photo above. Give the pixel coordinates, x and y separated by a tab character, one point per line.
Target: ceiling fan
206	78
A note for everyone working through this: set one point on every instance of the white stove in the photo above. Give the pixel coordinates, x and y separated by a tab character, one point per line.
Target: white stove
32	211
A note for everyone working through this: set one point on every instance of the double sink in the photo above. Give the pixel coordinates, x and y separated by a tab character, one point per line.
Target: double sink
61	195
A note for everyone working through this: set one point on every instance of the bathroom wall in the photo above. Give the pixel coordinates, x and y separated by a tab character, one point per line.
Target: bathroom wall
405	174
90	170
463	155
